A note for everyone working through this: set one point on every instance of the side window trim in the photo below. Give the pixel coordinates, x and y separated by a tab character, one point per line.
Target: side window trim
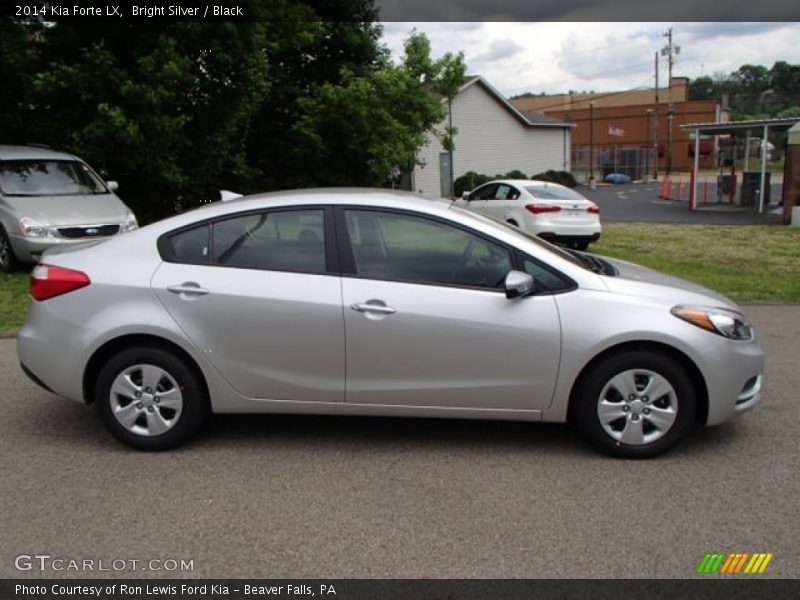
332	260
347	258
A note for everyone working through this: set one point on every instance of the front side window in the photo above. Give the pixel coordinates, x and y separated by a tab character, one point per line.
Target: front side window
485	193
48	178
416	249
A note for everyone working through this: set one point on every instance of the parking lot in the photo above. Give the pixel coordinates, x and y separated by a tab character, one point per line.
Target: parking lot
641	203
279	496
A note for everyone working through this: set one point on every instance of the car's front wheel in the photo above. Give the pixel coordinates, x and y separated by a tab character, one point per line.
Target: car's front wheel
636	404
150	399
8	260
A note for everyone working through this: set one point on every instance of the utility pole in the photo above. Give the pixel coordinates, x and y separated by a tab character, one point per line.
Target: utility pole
592	183
670	52
655	127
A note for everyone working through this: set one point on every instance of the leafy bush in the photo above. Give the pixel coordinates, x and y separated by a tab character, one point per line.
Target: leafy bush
470	180
562	177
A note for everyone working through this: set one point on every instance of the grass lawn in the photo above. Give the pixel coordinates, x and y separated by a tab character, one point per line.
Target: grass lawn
13	300
747	263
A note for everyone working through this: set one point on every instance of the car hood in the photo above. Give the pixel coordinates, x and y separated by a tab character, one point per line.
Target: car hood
85	209
638	280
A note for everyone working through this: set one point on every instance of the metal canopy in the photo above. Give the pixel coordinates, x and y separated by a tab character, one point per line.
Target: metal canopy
731	127
722	128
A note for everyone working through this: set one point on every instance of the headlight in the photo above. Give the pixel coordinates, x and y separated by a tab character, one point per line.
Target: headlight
33	229
129	224
727	323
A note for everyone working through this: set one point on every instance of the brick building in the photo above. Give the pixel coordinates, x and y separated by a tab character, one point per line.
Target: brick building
625	127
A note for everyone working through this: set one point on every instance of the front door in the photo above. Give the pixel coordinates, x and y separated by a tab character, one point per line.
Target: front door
428	324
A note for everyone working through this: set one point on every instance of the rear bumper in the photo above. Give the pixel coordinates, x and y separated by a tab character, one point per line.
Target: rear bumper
569	239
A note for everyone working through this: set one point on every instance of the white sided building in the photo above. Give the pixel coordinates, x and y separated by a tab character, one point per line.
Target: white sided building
493	138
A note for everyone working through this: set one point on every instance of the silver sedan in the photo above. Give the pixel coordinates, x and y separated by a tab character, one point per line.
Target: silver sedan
369	302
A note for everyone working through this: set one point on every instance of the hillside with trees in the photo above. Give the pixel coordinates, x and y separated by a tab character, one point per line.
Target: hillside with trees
754	91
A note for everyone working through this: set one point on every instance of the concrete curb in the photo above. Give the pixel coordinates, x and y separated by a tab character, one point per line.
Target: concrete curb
7	335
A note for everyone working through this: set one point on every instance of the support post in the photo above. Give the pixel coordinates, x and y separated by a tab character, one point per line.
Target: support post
695	168
763	170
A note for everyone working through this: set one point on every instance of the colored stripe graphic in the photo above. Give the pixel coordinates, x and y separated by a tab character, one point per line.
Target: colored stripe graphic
711	563
723	563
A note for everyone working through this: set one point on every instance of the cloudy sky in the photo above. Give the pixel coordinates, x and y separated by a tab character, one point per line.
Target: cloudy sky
555	57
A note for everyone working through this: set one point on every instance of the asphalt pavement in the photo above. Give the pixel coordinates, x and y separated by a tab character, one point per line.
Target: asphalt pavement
283	496
640	203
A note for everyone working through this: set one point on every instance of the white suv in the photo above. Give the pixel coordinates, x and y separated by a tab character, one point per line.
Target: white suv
551	211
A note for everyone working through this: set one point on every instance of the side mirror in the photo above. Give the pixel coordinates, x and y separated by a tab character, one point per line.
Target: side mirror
518	284
112	186
465	195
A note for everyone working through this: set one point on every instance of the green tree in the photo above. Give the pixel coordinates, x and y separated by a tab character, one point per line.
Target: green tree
368	129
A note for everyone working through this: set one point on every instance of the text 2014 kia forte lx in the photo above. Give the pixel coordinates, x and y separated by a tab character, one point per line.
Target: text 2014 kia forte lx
366	302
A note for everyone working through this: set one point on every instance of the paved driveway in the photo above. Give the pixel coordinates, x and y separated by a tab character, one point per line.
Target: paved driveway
286	496
640	203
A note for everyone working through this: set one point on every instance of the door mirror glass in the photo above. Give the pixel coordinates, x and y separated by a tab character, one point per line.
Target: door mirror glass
518	284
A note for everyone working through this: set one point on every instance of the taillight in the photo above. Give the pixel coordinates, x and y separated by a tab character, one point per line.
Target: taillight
594	210
48	281
542	208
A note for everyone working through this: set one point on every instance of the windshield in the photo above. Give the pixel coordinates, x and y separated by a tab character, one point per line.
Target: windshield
48	178
575	260
553	192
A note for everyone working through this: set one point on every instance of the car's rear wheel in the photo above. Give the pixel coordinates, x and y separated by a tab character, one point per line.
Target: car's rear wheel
635	404
582	246
8	260
150	399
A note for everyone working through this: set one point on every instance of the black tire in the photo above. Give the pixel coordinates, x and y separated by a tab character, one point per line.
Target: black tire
587	399
8	260
582	246
512	223
195	405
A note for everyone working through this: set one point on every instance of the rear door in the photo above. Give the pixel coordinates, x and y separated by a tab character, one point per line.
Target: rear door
259	295
427	321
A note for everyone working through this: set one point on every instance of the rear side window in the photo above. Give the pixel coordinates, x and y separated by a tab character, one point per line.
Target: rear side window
276	241
191	246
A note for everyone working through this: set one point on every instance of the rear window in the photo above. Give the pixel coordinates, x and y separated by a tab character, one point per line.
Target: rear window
48	178
553	192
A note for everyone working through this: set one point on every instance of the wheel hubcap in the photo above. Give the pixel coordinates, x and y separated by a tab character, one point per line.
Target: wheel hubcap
5	252
146	400
637	407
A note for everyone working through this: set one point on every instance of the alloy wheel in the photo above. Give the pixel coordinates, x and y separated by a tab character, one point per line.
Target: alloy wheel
146	400
637	407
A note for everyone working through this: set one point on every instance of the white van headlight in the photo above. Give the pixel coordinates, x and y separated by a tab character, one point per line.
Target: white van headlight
33	229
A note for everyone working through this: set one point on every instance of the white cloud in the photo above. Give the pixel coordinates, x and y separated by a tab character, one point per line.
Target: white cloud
557	56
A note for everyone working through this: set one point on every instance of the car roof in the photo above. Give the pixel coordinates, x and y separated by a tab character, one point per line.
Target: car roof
32	153
526	182
333	195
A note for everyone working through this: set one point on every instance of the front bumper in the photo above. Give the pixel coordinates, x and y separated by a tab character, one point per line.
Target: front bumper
734	378
30	250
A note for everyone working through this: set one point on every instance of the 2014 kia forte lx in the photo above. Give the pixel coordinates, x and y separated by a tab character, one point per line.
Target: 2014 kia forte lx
367	302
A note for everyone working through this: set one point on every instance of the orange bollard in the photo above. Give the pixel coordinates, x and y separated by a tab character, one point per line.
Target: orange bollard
705	192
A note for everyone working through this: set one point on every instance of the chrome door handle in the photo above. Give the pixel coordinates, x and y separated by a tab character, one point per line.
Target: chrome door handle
373	308
187	288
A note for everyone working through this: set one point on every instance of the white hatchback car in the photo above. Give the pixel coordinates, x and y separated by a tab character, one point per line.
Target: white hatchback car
551	211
